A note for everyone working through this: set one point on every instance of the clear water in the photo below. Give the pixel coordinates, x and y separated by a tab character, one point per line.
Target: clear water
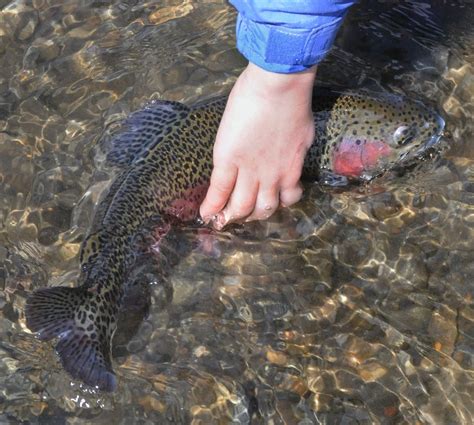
355	306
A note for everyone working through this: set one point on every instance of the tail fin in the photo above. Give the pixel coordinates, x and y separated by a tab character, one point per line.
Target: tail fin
83	347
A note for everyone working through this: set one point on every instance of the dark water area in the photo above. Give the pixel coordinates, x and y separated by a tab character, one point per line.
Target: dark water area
352	307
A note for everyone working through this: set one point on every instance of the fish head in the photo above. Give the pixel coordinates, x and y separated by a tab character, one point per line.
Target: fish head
373	134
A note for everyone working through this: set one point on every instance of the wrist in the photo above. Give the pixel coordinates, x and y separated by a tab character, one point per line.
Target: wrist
276	86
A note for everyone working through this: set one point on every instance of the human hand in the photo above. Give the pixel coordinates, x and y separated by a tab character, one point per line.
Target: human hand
265	132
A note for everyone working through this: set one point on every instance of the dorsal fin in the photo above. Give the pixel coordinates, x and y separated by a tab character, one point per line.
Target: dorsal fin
143	129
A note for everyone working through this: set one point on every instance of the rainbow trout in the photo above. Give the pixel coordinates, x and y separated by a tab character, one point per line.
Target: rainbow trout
165	157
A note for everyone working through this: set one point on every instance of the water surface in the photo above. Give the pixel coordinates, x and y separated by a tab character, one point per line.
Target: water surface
353	307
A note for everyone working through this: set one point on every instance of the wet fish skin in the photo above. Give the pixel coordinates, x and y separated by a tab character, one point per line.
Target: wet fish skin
165	160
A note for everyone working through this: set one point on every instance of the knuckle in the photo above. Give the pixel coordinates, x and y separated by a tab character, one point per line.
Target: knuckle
213	204
222	187
268	207
213	207
291	197
298	190
243	210
291	179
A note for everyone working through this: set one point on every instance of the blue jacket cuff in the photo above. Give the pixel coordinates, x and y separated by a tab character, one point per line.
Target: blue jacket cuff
284	50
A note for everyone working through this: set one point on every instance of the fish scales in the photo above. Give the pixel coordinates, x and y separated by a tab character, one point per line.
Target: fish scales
164	155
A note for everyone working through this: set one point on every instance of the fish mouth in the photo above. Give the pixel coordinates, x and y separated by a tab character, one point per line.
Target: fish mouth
408	157
434	139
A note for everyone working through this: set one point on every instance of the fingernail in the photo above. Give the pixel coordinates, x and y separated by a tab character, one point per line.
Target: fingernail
219	221
207	219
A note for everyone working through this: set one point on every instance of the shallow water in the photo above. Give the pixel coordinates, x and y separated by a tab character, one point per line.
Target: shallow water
355	306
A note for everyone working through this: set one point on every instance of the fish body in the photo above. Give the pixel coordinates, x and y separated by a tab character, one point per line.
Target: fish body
164	155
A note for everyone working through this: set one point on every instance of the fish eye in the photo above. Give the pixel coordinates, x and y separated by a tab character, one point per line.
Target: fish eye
404	135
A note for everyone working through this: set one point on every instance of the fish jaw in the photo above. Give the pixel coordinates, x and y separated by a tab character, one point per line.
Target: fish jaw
355	158
435	138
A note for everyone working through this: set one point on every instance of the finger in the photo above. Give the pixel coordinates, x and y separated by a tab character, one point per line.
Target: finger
267	203
242	200
291	195
221	186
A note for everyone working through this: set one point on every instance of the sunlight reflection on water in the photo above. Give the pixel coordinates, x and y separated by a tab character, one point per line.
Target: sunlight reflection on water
355	306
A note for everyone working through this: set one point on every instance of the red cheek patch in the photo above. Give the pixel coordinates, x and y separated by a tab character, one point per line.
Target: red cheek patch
373	151
352	159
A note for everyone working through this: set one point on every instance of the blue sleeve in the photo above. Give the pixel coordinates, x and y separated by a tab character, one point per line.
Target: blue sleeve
288	36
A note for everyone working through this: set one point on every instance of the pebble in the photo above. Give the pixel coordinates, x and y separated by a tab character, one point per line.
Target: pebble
38	407
453	107
48	50
463	80
175	76
164	14
150	403
465	89
385	206
294	384
443	330
372	371
48	235
198	76
390	411
86	30
69	251
136	345
321	403
225	61
327	311
29	28
201	351
355	248
315	381
3	44
276	357
249	277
